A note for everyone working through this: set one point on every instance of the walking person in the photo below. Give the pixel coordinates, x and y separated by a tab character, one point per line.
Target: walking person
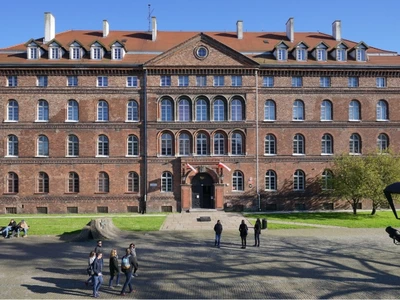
132	247
257	232
114	268
98	249
127	266
92	257
218	232
243	233
97	274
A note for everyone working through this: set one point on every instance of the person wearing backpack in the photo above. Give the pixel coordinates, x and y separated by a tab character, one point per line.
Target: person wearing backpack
89	270
127	266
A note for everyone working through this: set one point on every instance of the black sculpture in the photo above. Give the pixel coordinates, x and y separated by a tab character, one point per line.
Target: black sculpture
393	188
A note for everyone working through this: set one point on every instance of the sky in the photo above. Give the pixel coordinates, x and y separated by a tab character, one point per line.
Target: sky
374	22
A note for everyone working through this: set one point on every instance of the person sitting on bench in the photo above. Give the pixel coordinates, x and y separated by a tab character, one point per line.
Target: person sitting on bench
10	227
22	226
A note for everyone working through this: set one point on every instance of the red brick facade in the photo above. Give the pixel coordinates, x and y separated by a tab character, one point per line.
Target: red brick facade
181	143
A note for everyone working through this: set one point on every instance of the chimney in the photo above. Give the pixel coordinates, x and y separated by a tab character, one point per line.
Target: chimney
106	28
153	28
239	29
290	29
337	30
49	27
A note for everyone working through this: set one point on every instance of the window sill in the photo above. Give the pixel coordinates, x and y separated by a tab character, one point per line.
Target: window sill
41	121
326	120
10	121
11	156
298	154
382	120
266	154
298	120
101	121
101	193
71	121
132	156
274	191
131	121
42	156
71	156
326	154
354	120
105	156
71	193
270	121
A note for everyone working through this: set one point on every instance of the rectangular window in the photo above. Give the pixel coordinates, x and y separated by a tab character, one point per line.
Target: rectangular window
341	55
165	80
218	80
12	81
131	81
96	53
321	54
55	53
42	81
361	55
325	82
183	80
380	82
297	81
281	54
268	81
33	53
102	81
201	80
72	80
76	53
301	54
353	82
236	80
117	53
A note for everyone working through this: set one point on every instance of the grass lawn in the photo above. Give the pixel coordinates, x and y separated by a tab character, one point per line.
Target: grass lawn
64	224
362	219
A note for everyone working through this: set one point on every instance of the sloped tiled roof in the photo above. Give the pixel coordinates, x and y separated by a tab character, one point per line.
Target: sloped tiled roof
258	46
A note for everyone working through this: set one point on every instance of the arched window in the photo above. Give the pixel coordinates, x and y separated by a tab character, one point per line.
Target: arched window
167	111
237	144
382	113
184	110
133	145
43	183
299	180
132	111
326	110
42	146
269	110
383	142
270	180
270	145
327	144
354	110
12	111
166	144
219	110
219	144
73	182
298	144
166	182
237	181
298	110
12	145
73	145
12	183
133	182
103	146
236	110
327	180
202	110
102	111
73	111
355	144
43	111
184	144
201	144
103	183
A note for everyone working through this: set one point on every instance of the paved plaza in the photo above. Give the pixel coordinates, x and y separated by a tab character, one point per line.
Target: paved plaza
301	263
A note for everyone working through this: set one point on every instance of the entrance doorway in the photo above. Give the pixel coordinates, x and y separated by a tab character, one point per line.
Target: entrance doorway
203	191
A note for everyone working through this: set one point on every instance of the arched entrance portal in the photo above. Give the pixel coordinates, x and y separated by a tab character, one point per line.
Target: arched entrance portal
203	191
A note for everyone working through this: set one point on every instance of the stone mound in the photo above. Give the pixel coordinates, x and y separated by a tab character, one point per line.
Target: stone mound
99	229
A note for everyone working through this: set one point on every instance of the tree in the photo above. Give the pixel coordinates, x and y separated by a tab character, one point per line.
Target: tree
351	179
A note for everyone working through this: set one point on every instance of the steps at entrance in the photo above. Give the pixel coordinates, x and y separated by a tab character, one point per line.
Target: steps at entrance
189	220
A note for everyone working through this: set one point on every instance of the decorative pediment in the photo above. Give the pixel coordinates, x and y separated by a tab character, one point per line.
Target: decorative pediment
201	50
116	44
76	43
32	43
301	45
360	45
281	45
98	44
322	45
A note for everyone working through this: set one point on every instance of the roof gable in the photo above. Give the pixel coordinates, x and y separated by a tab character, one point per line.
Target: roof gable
201	50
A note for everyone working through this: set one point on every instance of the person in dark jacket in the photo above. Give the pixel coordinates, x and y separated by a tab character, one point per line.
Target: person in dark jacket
12	226
257	232
127	266
218	231
114	268
132	247
97	274
98	249
243	233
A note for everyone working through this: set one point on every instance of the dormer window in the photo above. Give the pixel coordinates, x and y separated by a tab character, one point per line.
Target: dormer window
33	53
361	54
96	51
282	54
301	54
55	52
117	51
75	51
32	50
321	54
341	54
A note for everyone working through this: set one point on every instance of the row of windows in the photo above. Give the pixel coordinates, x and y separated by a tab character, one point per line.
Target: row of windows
72	183
72	146
72	81
132	111
132	182
236	145
298	110
201	80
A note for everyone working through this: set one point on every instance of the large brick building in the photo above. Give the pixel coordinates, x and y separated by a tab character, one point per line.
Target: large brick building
115	121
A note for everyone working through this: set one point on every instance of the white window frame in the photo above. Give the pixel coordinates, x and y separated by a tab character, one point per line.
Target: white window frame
33	53
165	80
12	81
42	81
361	54
381	82
281	54
341	54
132	81
301	54
102	81
183	80
218	80
353	82
325	82
268	81
96	53
42	111
201	80
55	53
297	81
321	54
117	53
236	80
75	53
72	81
